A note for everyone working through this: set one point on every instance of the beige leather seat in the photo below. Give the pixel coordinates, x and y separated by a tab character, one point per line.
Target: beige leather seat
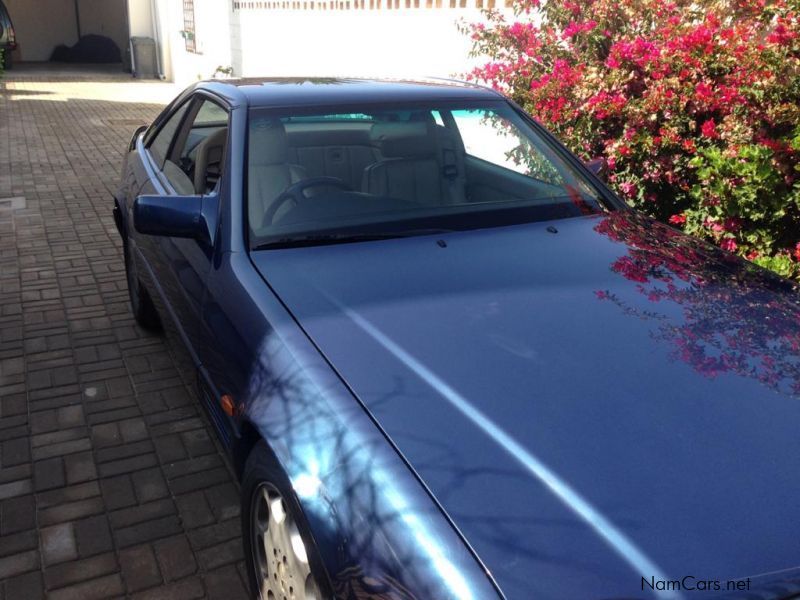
209	161
269	172
421	163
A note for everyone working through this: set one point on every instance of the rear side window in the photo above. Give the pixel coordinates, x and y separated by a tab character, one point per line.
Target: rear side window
161	143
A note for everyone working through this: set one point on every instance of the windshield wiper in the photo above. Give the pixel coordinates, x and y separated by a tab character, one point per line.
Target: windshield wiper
320	239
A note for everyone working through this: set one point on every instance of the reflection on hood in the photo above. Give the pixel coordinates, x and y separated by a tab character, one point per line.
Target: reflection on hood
736	319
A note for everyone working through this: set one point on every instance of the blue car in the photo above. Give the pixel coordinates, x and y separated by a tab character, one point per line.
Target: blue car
448	363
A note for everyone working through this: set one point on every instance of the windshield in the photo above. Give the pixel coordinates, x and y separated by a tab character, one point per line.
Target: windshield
318	177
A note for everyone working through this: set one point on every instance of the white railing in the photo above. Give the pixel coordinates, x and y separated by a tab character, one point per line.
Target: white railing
383	5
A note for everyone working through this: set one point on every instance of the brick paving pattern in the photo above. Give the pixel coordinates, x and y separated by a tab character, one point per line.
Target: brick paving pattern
111	481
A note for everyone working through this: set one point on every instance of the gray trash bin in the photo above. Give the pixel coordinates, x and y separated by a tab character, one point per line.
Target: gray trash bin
144	58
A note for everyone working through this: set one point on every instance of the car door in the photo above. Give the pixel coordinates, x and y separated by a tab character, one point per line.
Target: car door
181	265
142	177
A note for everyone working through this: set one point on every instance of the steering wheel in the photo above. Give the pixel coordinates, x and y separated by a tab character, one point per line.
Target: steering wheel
296	192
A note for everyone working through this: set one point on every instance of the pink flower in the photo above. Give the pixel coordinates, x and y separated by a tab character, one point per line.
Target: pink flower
732	224
774	145
781	35
709	129
574	28
728	244
627	188
678	219
703	92
797	251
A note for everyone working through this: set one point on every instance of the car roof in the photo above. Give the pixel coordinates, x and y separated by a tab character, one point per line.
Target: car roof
320	91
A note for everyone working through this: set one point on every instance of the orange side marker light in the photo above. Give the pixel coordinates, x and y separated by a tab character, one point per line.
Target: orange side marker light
228	405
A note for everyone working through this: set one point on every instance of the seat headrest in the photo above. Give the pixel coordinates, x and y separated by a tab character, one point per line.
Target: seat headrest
403	140
216	139
268	142
209	151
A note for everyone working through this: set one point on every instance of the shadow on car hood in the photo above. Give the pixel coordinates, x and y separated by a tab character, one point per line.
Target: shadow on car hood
597	402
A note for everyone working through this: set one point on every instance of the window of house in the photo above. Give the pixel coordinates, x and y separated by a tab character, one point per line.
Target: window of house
188	26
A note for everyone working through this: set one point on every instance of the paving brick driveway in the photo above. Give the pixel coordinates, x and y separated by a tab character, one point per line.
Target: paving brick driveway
111	483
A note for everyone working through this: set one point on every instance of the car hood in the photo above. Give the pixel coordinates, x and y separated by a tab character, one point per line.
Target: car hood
598	403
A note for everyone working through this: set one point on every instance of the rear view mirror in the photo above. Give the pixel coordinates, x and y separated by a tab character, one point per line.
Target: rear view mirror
176	216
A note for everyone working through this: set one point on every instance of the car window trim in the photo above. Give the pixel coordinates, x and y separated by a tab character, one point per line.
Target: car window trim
150	166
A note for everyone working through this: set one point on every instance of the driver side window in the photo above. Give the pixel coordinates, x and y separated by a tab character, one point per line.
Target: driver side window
160	145
194	160
203	150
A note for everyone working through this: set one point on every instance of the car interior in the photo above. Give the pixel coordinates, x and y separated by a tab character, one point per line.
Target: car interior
316	170
320	169
194	159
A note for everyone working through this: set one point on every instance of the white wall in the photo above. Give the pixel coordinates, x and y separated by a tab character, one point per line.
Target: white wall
212	41
411	42
211	36
387	43
140	20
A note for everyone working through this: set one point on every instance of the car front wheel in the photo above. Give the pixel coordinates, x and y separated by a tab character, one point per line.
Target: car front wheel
281	560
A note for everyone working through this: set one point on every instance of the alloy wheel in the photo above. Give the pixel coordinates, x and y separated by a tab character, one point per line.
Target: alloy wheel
279	553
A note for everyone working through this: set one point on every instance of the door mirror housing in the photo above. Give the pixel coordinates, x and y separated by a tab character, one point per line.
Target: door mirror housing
193	217
598	166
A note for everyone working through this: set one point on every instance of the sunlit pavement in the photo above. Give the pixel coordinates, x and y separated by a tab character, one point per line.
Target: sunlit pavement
111	481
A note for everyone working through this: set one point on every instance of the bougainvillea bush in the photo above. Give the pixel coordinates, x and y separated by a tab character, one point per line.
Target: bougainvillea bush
695	106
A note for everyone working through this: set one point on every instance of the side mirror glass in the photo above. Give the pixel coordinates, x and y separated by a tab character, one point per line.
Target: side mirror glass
176	216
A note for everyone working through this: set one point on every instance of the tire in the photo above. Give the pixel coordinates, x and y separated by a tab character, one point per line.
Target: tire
141	304
261	480
8	63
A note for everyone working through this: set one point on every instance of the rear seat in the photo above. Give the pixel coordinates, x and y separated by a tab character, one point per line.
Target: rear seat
332	150
422	162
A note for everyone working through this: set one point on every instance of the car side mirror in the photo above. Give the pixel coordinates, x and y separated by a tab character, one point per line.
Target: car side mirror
191	217
598	166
